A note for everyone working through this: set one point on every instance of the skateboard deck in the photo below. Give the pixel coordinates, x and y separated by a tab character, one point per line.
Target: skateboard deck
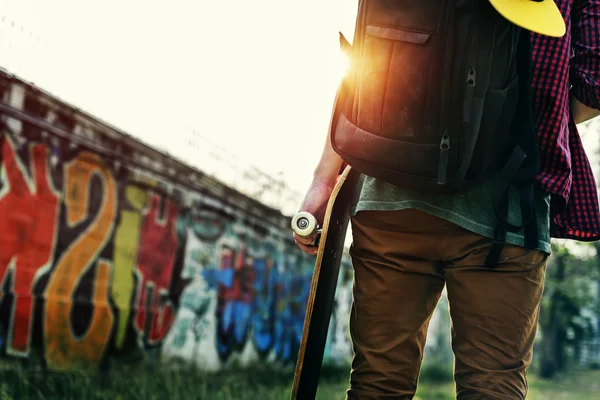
324	281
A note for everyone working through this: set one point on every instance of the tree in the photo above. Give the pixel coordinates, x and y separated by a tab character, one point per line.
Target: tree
567	293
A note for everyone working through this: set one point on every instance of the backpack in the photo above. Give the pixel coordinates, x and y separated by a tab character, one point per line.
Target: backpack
437	98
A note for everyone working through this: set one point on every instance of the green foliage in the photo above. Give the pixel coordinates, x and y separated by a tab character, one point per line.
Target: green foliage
567	304
572	286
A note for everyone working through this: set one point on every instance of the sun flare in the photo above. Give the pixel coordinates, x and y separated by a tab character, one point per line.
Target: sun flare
340	65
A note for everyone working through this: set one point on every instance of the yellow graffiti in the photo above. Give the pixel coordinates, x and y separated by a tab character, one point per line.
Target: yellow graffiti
126	249
62	349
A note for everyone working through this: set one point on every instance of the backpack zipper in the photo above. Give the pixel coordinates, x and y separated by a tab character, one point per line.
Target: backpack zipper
445	142
445	71
443	165
469	57
471	80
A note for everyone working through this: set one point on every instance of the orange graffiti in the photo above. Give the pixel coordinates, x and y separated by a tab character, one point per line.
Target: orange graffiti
62	349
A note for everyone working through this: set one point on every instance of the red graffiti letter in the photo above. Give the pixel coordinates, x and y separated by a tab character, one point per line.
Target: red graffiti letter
28	217
158	244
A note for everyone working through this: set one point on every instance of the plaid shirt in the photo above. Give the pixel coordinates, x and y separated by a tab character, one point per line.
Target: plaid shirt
562	67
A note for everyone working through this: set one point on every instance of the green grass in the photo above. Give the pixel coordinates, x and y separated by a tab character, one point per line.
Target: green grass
256	384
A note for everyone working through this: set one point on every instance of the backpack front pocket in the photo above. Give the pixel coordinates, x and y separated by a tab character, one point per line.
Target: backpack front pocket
399	78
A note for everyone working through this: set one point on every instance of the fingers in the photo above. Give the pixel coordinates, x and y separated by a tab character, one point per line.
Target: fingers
305	244
304	240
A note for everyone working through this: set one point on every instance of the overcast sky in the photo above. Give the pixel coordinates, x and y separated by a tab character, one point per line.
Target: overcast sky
254	77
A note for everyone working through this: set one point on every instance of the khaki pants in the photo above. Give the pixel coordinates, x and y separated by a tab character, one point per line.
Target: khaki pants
401	261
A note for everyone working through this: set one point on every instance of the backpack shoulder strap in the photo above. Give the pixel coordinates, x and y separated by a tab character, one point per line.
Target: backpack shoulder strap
523	164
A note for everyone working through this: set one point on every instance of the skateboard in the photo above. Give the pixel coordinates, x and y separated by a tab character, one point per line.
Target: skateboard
330	239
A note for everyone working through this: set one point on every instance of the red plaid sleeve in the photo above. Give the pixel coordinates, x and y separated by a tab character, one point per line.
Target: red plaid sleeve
585	63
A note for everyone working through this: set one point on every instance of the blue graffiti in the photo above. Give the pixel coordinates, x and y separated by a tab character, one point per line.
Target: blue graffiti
293	292
264	304
258	299
233	310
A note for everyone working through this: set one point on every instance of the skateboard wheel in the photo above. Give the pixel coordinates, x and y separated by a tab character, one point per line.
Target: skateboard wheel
304	224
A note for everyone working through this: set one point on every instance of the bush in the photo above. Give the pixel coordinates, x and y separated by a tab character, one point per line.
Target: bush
594	365
435	371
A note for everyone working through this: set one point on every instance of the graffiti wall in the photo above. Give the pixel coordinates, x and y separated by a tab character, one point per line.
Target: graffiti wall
101	260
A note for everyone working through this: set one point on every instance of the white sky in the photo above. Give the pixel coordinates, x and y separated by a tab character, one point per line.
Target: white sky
255	77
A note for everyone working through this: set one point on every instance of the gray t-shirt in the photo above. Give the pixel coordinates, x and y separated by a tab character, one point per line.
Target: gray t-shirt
472	210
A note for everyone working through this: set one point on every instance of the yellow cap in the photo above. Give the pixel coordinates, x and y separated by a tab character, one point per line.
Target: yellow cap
539	16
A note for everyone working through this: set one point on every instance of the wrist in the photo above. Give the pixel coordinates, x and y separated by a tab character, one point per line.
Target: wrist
323	183
581	112
328	173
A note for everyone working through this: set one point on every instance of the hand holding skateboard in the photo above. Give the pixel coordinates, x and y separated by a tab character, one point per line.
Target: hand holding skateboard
305	225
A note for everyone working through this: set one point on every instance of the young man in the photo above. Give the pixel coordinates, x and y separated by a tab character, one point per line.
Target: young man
407	245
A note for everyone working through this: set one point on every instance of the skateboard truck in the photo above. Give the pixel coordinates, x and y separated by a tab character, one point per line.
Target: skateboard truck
304	224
